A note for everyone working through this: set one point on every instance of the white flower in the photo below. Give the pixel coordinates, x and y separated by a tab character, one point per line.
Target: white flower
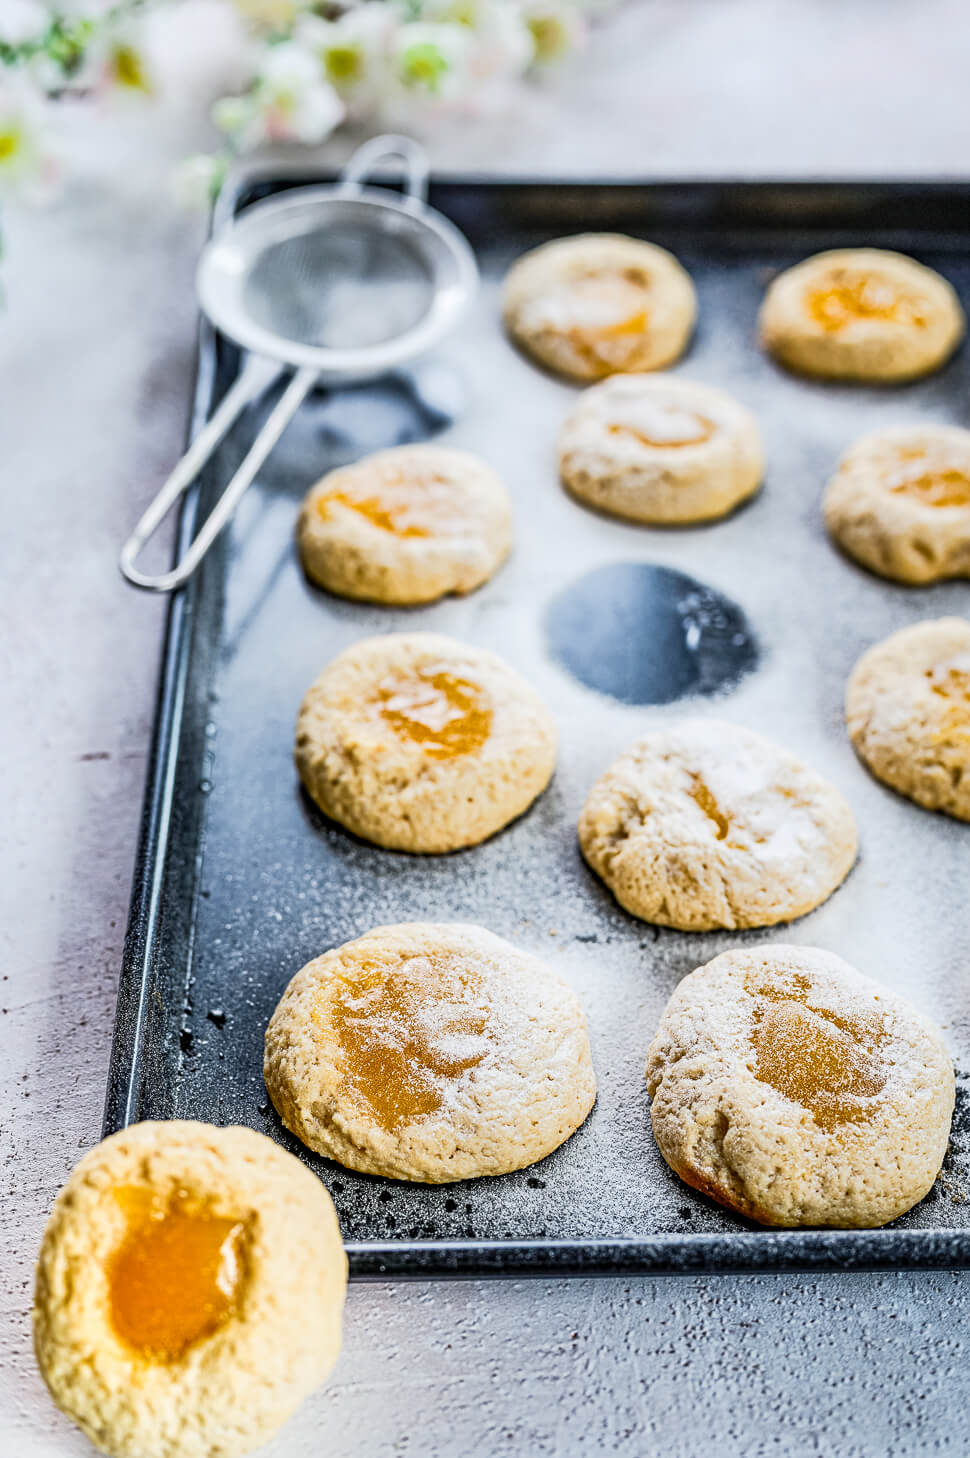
196	181
502	47
27	154
558	29
351	50
504	51
290	101
115	60
431	59
21	20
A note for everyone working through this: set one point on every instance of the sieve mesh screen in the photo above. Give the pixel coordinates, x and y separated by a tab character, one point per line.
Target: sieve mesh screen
343	287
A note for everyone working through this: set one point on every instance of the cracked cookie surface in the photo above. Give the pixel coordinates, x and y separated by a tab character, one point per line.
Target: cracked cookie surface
418	742
795	1091
406	525
907	709
600	304
430	1052
660	449
864	314
899	503
703	824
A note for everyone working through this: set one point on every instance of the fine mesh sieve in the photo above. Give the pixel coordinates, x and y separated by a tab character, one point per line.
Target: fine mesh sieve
337	284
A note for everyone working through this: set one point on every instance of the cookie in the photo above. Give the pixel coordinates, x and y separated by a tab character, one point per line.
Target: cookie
407	525
792	1089
703	824
900	503
430	1052
861	314
600	304
661	450
907	706
189	1291
421	743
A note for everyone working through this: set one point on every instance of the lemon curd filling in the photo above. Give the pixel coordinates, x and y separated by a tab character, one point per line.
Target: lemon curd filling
915	475
951	682
665	427
610	299
446	714
176	1276
403	504
398	517
705	800
824	1060
406	1031
604	307
847	297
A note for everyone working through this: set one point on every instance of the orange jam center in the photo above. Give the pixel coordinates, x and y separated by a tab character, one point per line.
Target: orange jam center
860	296
670	427
406	1031
404	503
633	324
397	517
818	1058
941	487
444	713
952	683
606	307
175	1277
702	796
611	303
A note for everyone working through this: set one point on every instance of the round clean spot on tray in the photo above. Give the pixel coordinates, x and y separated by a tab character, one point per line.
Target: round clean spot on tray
646	634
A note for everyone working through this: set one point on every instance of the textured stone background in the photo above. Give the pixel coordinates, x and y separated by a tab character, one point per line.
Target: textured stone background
96	350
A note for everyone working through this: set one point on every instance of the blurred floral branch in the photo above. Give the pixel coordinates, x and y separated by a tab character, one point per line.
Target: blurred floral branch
311	66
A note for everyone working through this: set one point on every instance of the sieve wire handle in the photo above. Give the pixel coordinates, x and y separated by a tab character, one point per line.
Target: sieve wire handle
366	158
254	379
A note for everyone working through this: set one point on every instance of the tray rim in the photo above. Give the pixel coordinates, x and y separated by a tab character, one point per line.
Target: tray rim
745	1250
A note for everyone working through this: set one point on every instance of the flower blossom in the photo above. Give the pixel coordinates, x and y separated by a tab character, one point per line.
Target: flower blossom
289	102
28	160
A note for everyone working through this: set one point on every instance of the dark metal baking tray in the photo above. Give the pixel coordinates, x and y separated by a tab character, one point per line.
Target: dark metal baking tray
238	880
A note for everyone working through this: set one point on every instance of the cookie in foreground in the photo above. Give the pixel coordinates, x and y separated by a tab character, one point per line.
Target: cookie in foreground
899	503
907	707
189	1292
795	1091
703	824
600	304
862	314
661	450
407	526
430	1052
418	742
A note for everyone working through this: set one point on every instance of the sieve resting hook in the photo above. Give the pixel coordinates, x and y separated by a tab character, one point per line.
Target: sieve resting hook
378	149
261	371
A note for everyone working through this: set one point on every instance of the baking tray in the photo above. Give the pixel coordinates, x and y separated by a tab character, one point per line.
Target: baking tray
239	881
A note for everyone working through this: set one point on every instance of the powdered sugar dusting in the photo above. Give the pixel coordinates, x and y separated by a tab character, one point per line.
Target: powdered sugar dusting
280	884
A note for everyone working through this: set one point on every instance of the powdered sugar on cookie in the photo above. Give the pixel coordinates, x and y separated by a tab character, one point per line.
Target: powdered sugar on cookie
704	824
798	1092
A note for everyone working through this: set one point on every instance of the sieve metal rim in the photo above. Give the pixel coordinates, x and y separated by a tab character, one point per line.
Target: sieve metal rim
270	355
223	270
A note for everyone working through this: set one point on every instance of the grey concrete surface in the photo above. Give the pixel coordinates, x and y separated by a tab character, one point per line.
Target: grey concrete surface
96	345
